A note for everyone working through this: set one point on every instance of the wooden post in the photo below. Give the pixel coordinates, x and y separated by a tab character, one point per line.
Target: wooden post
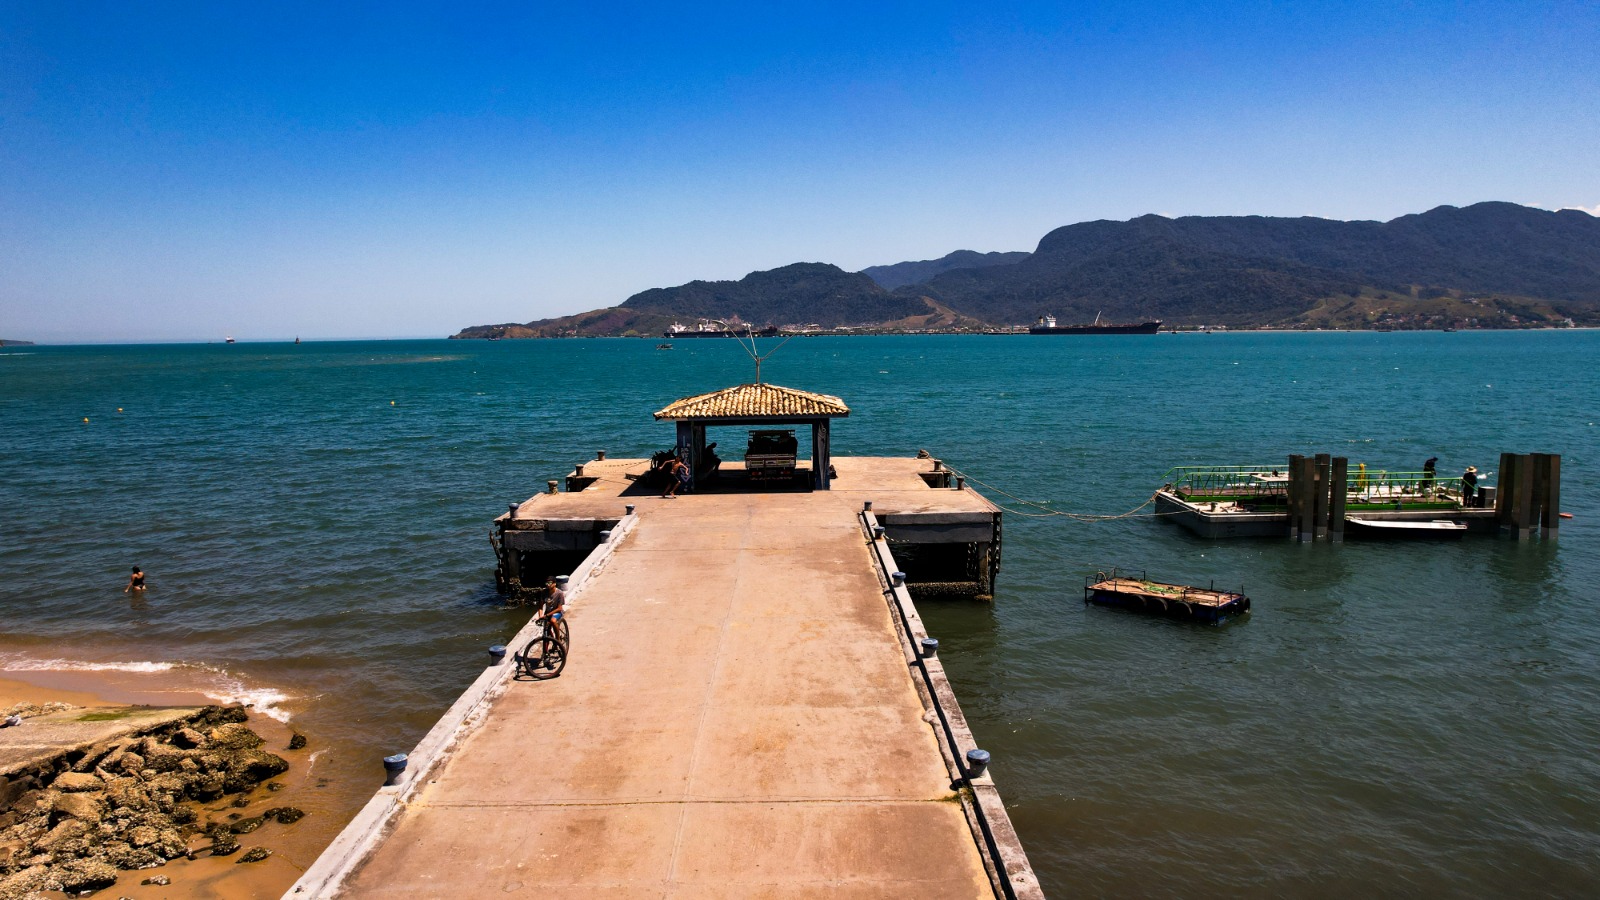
1524	507
1338	491
1294	495
1319	496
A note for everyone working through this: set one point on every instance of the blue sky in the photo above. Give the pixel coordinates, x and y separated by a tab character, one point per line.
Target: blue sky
173	171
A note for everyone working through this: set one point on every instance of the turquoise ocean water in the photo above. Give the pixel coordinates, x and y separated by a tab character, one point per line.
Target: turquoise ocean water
1391	720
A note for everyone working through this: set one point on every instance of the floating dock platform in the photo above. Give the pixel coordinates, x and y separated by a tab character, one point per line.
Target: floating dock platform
1314	498
1176	601
750	708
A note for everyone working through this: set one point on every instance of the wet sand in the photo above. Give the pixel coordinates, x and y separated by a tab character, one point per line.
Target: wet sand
293	847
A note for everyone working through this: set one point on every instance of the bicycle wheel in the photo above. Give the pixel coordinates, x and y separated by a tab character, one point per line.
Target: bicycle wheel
561	632
554	657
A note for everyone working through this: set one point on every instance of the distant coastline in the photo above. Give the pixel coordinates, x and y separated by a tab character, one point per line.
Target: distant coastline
7	342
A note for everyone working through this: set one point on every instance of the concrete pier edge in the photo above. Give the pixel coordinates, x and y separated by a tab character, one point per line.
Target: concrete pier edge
325	877
1009	870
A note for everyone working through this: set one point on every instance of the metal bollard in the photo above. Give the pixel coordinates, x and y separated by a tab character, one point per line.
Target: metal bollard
578	470
629	509
866	506
562	580
393	767
899	579
961	482
600	455
977	762
930	648
938	465
552	485
497	654
605	536
512	509
877	532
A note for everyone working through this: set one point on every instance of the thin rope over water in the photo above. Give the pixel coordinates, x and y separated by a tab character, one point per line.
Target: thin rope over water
1044	512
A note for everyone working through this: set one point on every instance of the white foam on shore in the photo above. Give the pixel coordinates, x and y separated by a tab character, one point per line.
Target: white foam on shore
261	700
14	664
218	684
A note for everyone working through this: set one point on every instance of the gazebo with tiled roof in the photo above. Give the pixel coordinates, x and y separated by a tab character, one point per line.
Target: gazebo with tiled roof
756	404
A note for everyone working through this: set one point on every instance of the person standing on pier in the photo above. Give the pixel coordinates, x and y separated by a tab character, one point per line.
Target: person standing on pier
1469	486
1429	468
677	476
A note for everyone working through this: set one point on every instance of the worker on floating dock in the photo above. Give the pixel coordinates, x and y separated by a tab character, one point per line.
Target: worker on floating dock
1469	486
1429	468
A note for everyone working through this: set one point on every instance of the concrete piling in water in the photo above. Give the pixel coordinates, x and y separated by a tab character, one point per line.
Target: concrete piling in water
1550	513
1529	494
1319	497
1338	491
1294	496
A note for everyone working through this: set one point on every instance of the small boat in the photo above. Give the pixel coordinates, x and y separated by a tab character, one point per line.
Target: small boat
228	340
1178	601
1437	529
663	346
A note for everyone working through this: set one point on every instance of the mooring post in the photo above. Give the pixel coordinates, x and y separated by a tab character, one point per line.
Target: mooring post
1338	490
1524	509
1550	521
1308	502
1505	491
1536	462
1292	498
1319	515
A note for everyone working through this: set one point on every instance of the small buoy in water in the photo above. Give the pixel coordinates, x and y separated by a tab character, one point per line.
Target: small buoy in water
391	402
1566	515
85	420
119	409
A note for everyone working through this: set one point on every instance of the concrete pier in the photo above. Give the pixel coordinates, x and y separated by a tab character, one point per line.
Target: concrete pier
744	713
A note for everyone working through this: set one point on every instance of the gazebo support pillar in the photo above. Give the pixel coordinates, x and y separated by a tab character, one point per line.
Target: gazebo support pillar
820	461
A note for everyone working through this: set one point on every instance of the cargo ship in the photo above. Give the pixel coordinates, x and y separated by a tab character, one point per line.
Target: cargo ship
1047	325
706	329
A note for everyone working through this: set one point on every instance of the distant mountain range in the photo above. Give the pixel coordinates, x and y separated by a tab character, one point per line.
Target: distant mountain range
7	342
1486	265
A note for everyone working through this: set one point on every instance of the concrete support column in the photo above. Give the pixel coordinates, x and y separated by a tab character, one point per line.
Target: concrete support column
1319	496
1523	512
1338	491
685	447
821	458
1295	495
1550	517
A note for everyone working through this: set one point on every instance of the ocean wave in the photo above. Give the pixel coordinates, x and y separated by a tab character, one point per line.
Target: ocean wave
216	683
13	664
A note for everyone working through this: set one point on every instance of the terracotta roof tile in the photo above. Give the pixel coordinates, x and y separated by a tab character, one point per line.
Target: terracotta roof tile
751	400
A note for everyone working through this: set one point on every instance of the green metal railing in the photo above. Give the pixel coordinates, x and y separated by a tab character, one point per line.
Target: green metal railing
1268	486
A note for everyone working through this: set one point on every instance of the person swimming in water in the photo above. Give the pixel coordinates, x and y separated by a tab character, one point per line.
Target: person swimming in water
135	581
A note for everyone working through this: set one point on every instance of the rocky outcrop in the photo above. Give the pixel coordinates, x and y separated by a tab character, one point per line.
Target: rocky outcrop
71	823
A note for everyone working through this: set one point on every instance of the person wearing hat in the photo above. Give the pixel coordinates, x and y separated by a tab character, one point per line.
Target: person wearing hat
1469	486
1429	468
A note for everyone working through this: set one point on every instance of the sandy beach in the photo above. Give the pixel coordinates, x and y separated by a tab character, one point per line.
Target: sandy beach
293	847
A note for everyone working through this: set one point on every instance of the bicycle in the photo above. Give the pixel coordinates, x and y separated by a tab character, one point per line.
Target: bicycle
546	654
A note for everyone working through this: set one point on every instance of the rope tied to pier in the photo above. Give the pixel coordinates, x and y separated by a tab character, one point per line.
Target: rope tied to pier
1045	512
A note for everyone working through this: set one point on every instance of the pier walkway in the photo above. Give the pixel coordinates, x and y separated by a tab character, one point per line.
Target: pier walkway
739	717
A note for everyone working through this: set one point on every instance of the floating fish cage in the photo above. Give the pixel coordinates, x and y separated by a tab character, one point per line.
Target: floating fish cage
1175	601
